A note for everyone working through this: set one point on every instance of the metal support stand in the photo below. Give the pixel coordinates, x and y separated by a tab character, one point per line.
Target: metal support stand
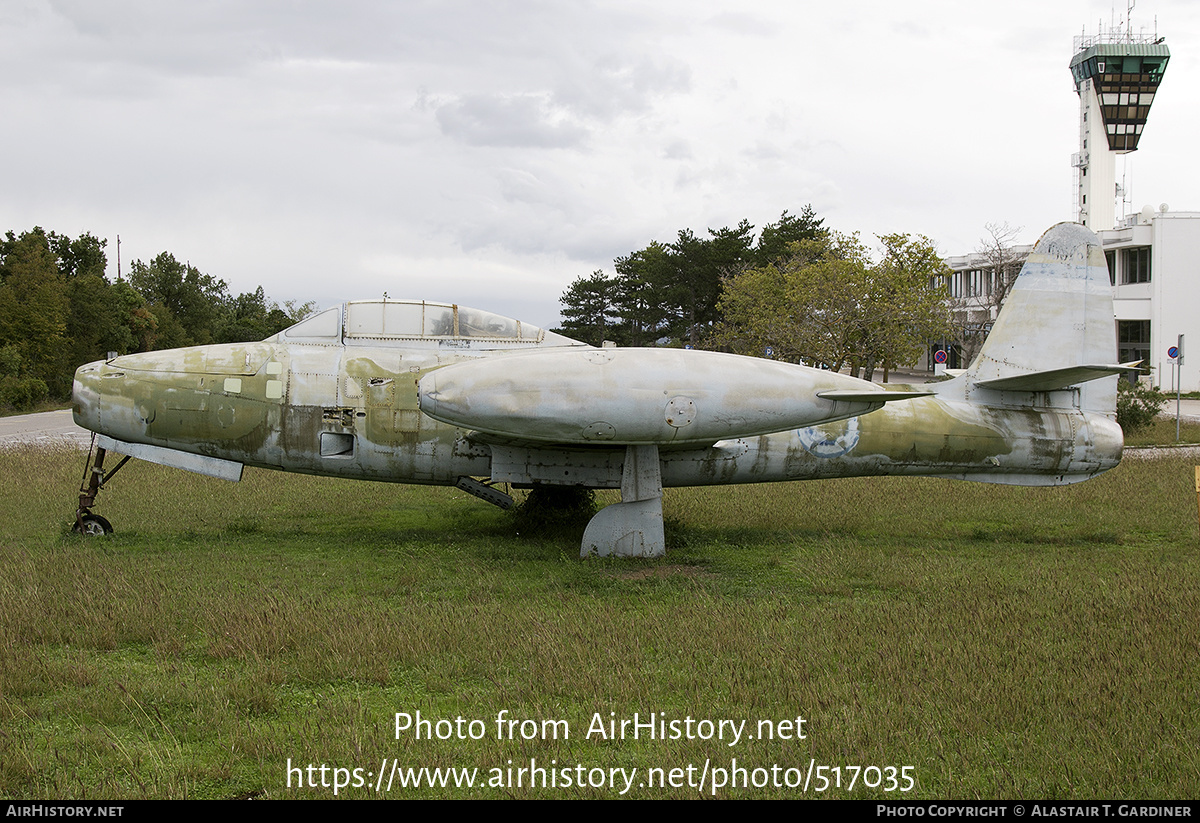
633	527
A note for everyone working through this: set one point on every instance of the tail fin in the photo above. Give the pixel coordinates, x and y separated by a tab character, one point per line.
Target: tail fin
1056	329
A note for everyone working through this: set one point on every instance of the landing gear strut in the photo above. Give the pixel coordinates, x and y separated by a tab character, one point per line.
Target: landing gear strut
633	527
94	478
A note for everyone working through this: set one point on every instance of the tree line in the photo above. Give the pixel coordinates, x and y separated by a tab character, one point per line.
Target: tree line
799	292
58	310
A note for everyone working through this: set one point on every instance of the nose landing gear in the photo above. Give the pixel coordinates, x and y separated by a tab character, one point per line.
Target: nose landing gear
92	525
94	477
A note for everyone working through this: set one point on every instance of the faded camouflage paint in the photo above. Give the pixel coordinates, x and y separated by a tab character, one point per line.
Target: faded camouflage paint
164	399
370	397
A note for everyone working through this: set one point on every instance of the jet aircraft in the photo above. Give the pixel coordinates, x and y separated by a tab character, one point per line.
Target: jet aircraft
433	393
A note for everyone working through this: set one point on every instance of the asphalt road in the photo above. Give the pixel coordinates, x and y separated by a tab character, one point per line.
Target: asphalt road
1188	410
43	428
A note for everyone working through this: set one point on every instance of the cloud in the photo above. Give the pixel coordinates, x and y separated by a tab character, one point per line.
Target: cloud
678	150
736	22
513	120
618	85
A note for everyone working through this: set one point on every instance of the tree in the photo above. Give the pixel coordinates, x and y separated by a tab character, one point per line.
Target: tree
671	290
775	242
829	303
58	310
17	389
906	302
1001	261
100	319
250	317
33	310
805	307
186	303
588	308
698	266
643	277
80	257
1137	405
994	268
142	323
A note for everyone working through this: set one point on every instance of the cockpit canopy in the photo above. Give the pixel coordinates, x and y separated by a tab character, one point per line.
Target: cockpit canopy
405	322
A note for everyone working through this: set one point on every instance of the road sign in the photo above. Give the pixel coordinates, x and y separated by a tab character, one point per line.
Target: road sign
1173	352
939	356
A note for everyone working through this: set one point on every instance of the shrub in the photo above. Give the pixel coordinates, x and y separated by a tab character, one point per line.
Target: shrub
1137	405
20	393
554	510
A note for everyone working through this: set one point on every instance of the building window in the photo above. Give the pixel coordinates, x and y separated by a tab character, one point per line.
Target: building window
1110	257
1135	266
1133	340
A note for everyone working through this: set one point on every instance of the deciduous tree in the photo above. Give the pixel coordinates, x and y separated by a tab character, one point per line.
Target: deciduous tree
829	303
186	302
33	309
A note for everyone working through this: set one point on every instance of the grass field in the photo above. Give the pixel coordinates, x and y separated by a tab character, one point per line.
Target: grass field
998	642
1162	433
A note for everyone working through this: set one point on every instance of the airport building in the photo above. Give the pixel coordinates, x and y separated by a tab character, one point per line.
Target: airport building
1154	266
1153	255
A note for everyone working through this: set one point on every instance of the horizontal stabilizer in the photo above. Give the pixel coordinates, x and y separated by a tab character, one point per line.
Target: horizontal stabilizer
1054	379
871	396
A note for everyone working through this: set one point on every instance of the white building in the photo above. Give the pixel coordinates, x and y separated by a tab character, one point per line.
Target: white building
1153	256
1154	266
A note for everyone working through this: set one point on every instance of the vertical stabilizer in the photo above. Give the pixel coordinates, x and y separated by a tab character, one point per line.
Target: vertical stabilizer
1058	315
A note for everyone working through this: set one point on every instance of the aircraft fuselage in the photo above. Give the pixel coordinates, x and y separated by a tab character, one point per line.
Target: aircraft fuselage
355	411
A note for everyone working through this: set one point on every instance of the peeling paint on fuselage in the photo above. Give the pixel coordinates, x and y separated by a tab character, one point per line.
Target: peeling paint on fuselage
352	411
933	436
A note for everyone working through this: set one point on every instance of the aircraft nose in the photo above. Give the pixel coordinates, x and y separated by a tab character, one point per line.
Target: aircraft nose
85	396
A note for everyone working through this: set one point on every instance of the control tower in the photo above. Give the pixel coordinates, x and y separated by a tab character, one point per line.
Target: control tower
1116	76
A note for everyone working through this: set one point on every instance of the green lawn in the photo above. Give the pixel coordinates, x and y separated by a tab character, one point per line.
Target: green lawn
998	642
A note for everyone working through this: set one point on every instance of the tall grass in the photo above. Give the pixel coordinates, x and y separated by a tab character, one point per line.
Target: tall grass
1004	642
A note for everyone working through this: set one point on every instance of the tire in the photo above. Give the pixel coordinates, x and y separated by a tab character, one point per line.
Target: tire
93	526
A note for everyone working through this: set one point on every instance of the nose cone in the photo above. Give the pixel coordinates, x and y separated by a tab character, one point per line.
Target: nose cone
85	396
436	395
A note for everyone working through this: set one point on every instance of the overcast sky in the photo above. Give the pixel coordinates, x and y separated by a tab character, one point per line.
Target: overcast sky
488	153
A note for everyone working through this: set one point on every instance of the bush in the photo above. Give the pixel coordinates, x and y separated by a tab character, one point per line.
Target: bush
1137	405
21	393
550	511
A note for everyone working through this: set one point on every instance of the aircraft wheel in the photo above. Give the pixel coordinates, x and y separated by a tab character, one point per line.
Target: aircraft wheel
93	526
